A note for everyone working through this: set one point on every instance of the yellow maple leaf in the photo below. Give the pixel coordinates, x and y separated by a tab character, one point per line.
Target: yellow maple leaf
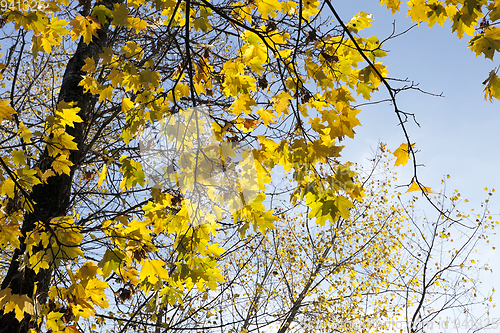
106	93
84	26
95	291
89	84
360	22
242	104
137	24
88	270
393	5
415	187
403	154
43	176
266	116
9	233
18	157
67	114
54	321
62	165
89	66
267	7
7	187
20	304
417	10
66	141
281	102
6	110
492	87
151	269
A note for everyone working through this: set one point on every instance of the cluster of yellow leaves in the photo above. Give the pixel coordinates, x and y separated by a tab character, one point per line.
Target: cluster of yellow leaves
83	296
59	241
59	142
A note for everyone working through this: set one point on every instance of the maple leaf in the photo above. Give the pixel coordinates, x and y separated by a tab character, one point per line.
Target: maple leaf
250	123
18	157
486	43
102	13
127	105
106	93
202	23
87	271
43	176
89	66
57	27
132	173
54	321
282	102
343	205
393	5
110	262
71	329
267	116
403	154
20	304
62	165
153	270
66	141
120	15
437	13
492	88
84	26
7	188
463	23
242	104
89	84
415	187
267	7
369	75
149	78
6	110
67	115
137	24
9	233
265	221
95	291
216	250
417	10
116	77
360	22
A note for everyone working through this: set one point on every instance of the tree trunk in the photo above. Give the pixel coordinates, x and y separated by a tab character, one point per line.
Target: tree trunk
53	198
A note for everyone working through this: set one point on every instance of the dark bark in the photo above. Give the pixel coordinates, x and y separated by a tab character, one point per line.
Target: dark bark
53	198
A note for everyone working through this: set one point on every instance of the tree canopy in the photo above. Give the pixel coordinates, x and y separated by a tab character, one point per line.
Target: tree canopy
177	155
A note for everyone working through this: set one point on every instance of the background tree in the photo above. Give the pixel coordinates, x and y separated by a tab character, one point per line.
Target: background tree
383	268
82	80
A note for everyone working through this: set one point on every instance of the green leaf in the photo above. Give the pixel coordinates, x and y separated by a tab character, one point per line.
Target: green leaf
111	261
102	13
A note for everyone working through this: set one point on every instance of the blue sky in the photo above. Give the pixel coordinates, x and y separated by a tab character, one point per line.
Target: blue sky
458	134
